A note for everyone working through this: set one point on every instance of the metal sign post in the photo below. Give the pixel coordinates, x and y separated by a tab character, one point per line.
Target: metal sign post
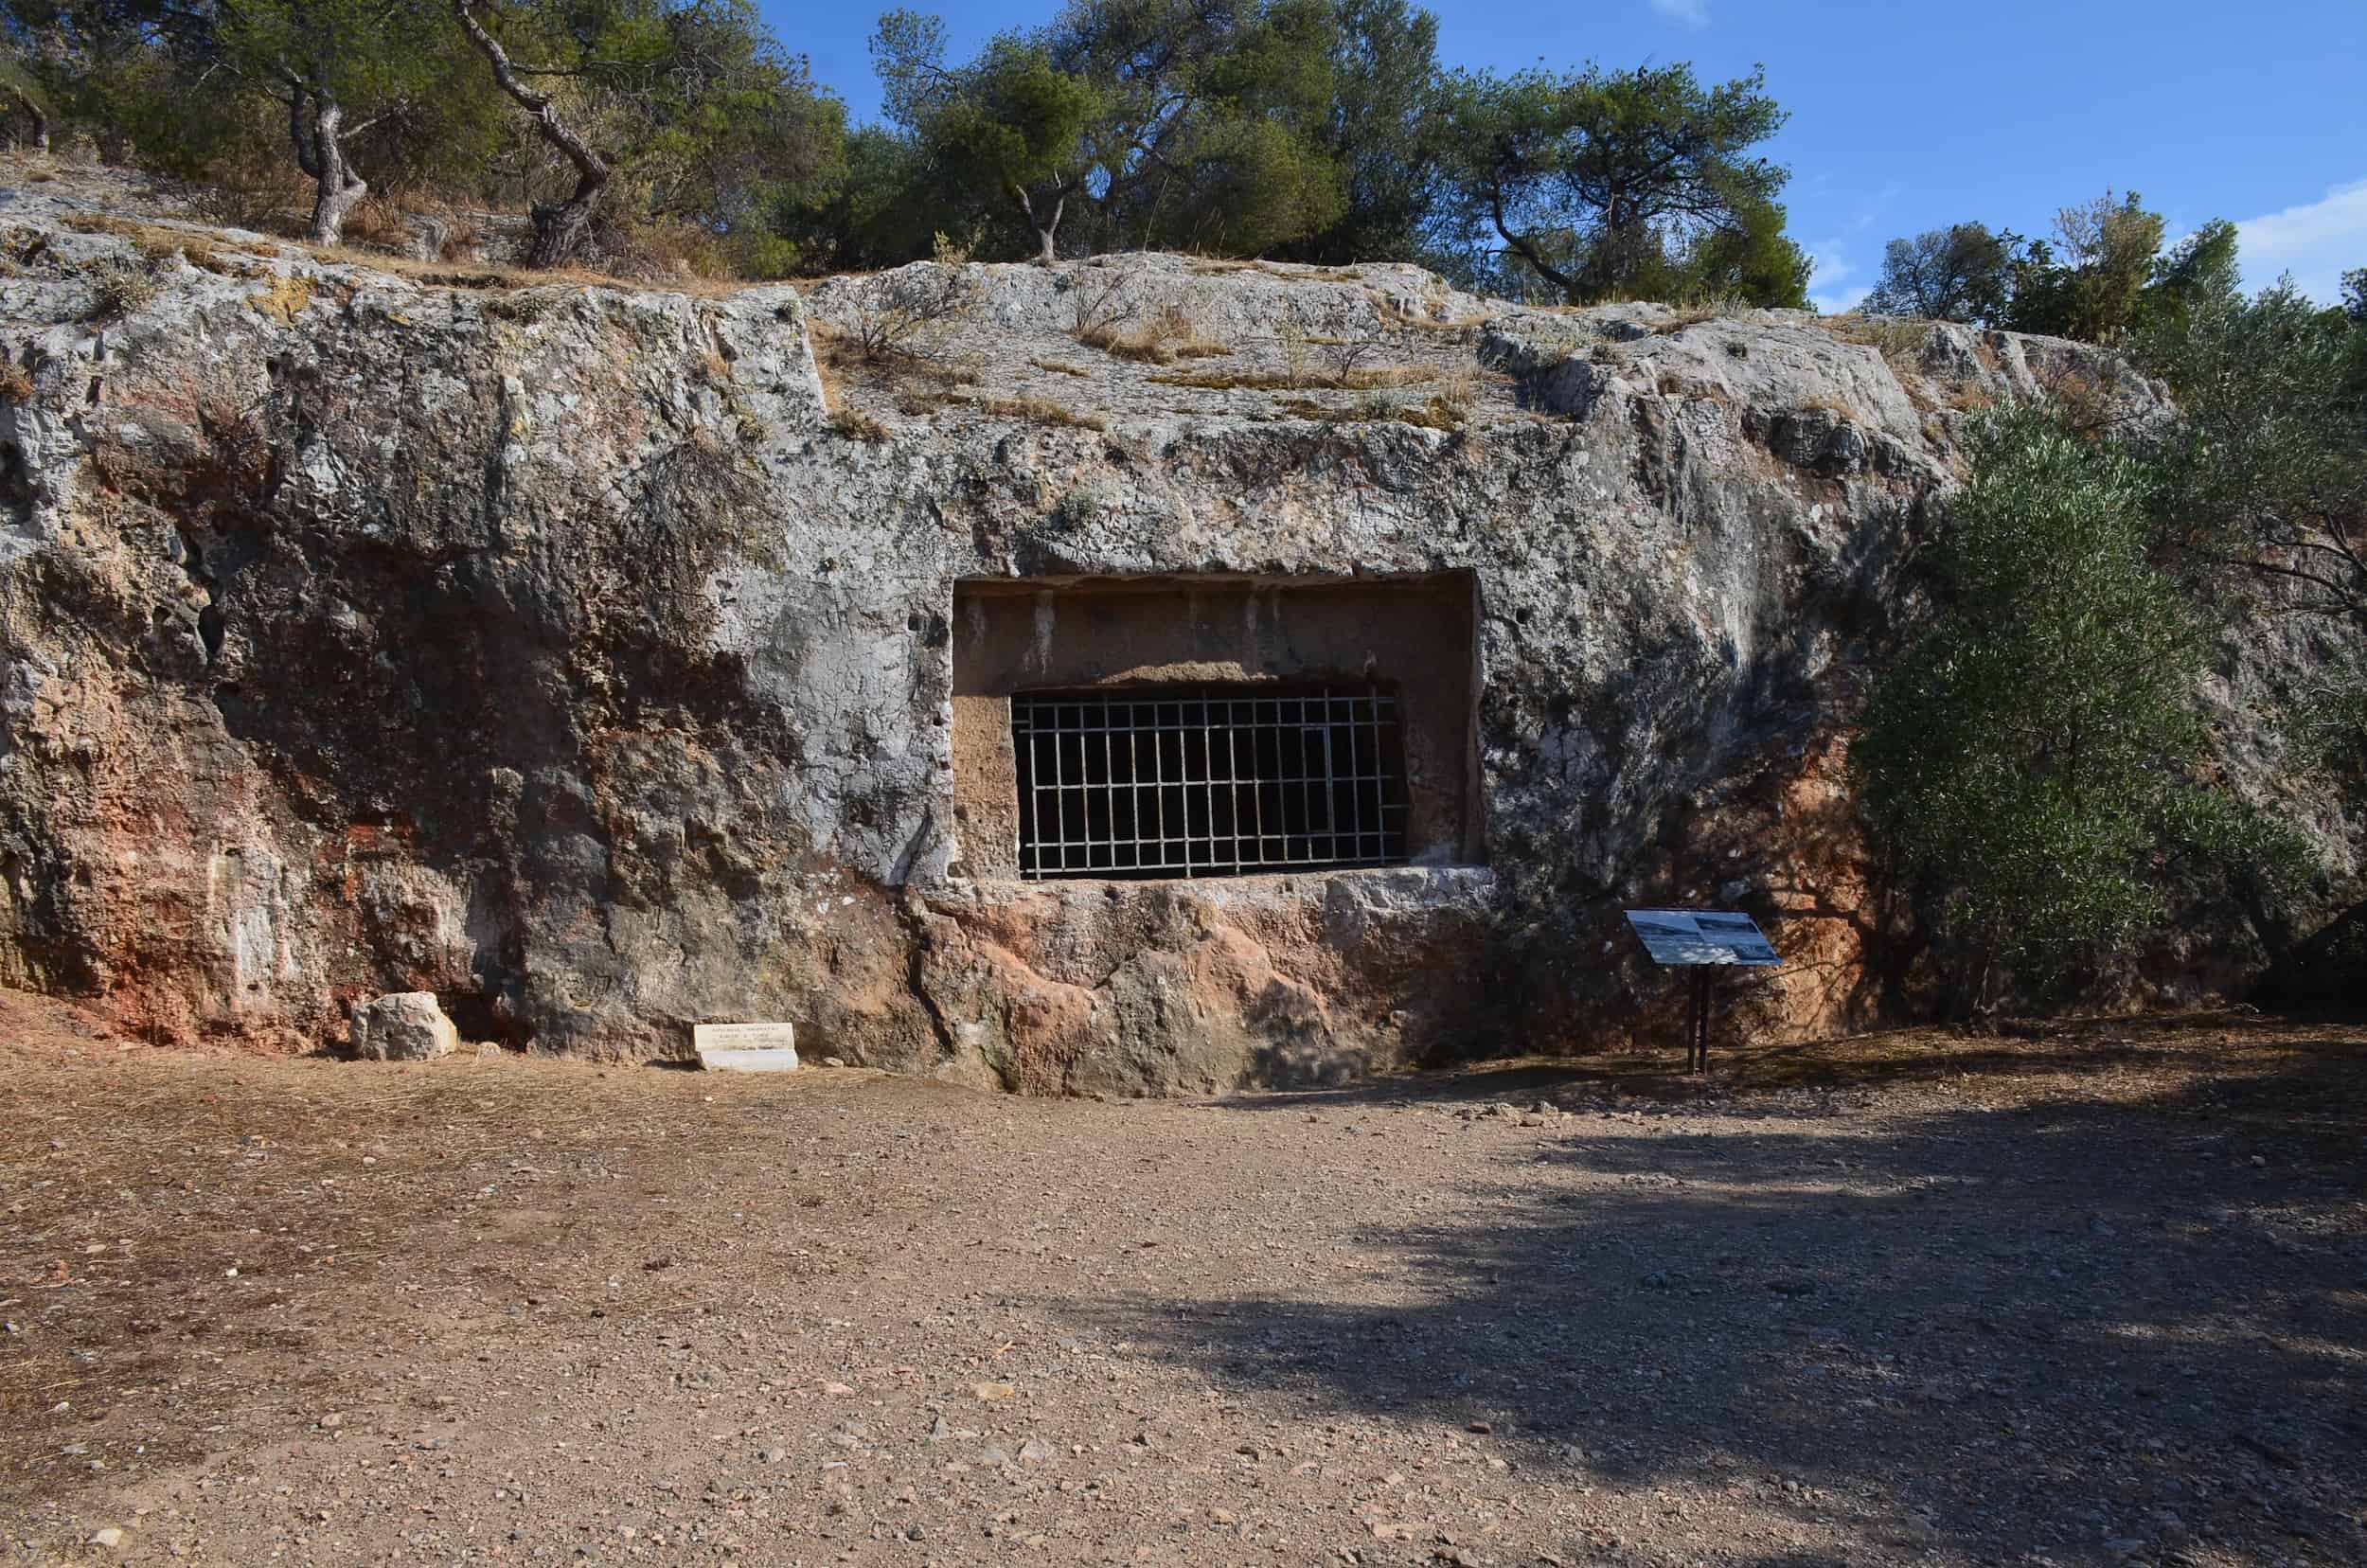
1702	940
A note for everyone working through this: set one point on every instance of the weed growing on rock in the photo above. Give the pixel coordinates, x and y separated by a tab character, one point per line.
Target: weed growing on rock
528	307
1436	414
1098	304
1043	411
854	424
908	315
1167	337
2084	396
1458	389
118	286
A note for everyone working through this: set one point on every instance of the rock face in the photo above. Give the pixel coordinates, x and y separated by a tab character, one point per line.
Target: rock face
406	1027
595	659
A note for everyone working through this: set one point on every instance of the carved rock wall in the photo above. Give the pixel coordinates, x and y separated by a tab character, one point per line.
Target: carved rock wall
575	654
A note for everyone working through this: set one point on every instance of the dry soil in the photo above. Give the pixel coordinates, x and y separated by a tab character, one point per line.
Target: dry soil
2091	1295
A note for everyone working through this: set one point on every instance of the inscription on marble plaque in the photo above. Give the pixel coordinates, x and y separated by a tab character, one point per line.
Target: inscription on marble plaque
746	1047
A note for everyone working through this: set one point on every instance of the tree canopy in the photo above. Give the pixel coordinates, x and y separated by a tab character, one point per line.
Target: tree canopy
2031	762
2102	276
1609	184
1318	131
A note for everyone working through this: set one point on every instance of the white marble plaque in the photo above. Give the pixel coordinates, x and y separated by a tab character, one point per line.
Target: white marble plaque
746	1047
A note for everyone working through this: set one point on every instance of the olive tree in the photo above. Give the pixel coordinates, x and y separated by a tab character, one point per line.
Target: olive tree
2030	764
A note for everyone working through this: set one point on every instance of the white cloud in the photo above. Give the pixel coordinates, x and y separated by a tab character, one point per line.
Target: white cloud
2316	242
1831	269
1832	266
1687	13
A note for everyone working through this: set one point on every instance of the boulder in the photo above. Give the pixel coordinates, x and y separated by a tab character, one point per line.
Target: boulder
405	1027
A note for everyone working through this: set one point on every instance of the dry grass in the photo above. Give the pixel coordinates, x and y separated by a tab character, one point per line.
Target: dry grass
157	239
1221	267
1042	411
1167	337
950	371
1356	379
377	220
1392	316
2086	398
118	286
1438	412
855	425
1458	387
1896	339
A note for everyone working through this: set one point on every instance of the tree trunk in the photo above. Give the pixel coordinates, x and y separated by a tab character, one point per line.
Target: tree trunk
558	227
39	115
340	188
1048	233
1521	246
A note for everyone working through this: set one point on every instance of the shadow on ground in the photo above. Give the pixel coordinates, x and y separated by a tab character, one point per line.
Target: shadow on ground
2082	1328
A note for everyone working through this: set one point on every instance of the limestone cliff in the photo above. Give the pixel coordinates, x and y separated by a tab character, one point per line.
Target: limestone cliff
583	654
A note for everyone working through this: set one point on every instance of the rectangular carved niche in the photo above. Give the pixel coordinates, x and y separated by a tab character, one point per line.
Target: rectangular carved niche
1164	726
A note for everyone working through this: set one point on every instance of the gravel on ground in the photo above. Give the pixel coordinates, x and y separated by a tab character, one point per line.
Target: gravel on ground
2091	1294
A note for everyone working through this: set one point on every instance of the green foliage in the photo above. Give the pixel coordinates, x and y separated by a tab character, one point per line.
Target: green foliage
1753	261
714	127
2263	480
2027	759
2101	276
1962	272
1234	127
2090	283
2199	273
1606	184
881	211
1379	131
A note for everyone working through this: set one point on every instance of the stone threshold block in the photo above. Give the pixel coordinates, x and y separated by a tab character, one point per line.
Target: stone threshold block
746	1047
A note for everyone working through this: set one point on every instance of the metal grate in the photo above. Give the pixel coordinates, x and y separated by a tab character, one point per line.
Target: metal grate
1207	781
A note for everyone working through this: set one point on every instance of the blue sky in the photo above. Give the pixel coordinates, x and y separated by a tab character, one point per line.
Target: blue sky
1910	115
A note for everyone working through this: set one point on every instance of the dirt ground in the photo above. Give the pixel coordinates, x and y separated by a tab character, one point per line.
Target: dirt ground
2093	1295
